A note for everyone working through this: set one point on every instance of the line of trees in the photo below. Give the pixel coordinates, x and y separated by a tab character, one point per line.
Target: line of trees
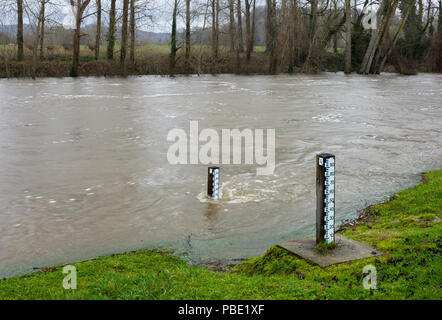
299	34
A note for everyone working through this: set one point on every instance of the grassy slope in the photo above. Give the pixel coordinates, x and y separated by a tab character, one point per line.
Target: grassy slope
408	228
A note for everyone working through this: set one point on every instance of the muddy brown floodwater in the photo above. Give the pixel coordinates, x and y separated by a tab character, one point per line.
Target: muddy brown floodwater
84	171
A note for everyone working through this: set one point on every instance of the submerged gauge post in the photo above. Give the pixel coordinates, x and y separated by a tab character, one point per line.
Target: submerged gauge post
213	183
325	198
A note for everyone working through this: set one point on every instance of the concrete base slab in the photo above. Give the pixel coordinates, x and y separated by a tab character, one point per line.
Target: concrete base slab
347	250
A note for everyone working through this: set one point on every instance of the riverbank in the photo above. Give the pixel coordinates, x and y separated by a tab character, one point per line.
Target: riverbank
408	228
156	63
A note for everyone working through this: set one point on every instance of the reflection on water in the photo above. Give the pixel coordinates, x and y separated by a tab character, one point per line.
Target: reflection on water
84	172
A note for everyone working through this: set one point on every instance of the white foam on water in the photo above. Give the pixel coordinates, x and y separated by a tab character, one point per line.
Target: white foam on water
245	188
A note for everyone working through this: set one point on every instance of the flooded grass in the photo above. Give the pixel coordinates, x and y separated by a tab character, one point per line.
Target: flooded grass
408	228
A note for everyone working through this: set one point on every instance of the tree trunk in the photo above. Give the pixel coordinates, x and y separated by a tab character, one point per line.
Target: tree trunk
248	31
240	35
311	63
111	34
347	37
335	36
6	65
123	50
187	57
132	31
232	25
269	41
20	41
420	12
376	36
375	65
396	36
252	40
267	27
293	38
335	43
371	67
313	18
438	38
76	49
98	32
200	56
42	28
35	47
80	8
217	28
173	40
283	32
439	25
214	53
273	35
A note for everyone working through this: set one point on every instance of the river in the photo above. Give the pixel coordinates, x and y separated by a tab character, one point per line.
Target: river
84	170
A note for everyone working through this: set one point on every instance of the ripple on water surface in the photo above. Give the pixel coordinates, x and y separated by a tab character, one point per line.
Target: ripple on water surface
84	171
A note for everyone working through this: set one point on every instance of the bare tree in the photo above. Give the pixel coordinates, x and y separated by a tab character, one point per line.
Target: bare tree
33	16
111	34
284	32
311	63
232	25
217	12
20	41
335	36
80	7
188	45
252	38
396	37
293	30
201	39
98	31
272	34
421	11
378	36
347	36
297	33
438	40
173	42
123	50
214	29
132	30
240	34
373	39
42	26
248	31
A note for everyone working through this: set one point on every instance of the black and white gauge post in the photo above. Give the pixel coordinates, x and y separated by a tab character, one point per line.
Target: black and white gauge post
213	183
325	198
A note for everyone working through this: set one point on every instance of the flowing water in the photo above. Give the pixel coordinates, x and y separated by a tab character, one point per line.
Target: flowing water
84	171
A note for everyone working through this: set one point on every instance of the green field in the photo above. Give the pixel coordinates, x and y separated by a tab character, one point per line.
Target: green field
408	229
141	51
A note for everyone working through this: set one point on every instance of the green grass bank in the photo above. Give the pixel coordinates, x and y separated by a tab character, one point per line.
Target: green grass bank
408	228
